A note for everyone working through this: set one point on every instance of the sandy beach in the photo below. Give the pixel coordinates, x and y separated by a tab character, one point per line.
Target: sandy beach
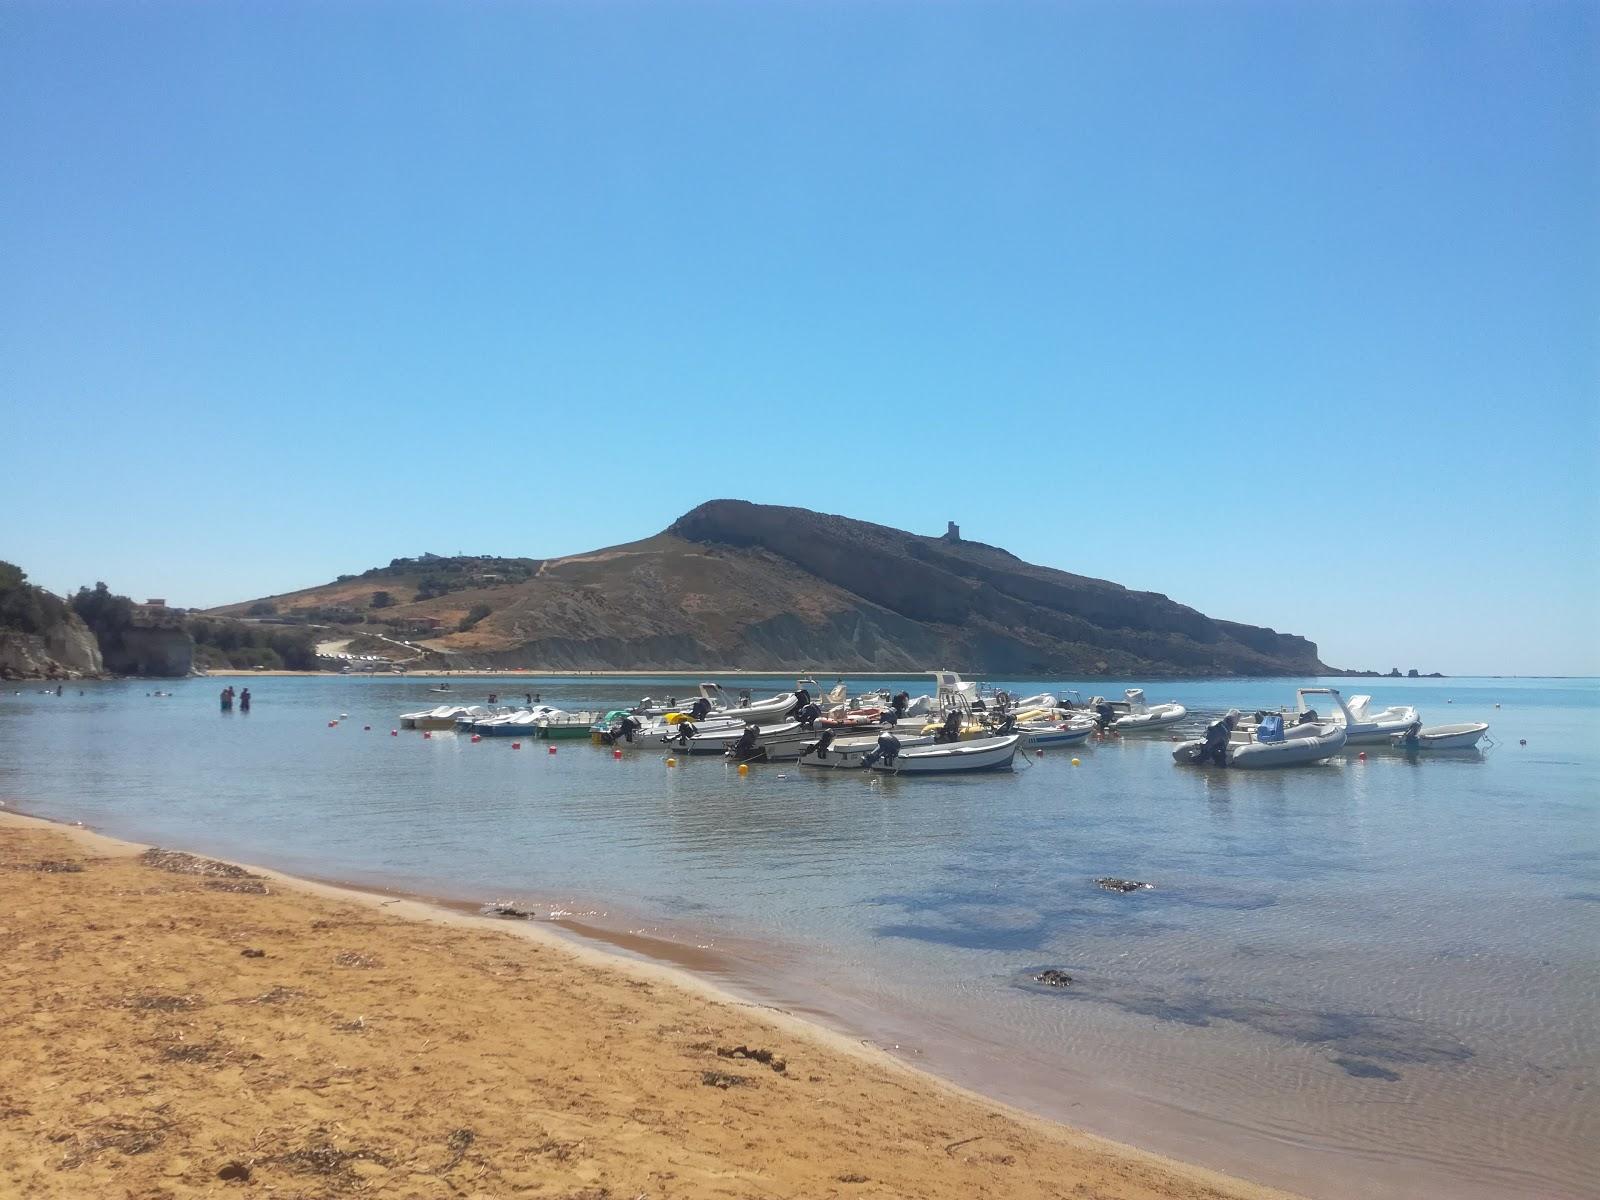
180	1027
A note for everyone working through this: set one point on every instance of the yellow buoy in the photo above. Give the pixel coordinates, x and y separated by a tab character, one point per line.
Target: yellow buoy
1075	762
744	768
672	762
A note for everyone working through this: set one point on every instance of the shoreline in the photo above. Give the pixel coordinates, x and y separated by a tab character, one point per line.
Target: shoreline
867	1086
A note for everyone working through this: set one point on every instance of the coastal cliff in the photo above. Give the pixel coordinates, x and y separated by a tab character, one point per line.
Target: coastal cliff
40	636
735	585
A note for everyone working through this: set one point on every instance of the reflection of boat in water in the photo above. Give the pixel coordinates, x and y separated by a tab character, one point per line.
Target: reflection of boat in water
984	754
1142	716
1444	737
1296	746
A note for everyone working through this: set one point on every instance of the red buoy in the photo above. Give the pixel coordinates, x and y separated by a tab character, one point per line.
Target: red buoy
394	733
427	733
477	737
552	749
516	745
616	754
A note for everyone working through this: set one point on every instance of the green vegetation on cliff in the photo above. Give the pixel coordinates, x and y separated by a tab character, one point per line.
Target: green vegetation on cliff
26	608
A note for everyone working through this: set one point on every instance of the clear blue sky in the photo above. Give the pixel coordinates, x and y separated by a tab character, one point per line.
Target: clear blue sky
1288	311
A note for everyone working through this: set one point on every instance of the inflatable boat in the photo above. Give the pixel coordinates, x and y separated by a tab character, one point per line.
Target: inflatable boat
1300	745
1142	716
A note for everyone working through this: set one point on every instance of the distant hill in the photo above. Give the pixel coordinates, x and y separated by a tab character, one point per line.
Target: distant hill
739	585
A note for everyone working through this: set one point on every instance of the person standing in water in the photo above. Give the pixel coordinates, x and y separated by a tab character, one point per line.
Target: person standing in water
227	698
244	700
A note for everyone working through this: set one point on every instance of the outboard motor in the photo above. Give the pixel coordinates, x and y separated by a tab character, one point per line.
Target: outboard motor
681	733
899	704
951	730
745	748
1104	715
887	750
1007	724
1309	717
807	714
819	748
700	709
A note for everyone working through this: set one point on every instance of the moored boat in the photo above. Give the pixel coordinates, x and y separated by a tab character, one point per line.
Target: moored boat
1463	736
1368	726
1142	717
1037	735
1298	745
983	754
848	753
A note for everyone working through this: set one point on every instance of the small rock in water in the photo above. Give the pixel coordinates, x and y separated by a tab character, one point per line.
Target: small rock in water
1123	885
1051	977
506	910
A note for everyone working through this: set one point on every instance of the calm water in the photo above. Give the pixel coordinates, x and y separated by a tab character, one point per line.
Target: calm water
1374	979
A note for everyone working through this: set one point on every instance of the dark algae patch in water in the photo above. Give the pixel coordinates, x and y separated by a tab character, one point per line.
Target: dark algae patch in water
1365	1045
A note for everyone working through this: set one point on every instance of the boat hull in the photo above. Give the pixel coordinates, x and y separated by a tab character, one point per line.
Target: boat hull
1447	737
1038	739
848	754
949	758
1293	751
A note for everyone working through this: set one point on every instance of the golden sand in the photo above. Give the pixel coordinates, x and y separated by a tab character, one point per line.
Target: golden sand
170	1034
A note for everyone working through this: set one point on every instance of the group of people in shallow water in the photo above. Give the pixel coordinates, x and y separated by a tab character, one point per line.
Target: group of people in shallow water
228	699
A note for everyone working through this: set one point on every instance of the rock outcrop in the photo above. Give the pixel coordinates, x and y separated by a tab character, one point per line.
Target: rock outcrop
738	585
40	636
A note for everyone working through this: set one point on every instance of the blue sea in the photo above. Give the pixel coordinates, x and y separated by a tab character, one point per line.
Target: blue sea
1374	978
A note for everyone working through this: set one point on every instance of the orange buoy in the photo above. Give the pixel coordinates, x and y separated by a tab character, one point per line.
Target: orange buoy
744	768
672	762
1074	762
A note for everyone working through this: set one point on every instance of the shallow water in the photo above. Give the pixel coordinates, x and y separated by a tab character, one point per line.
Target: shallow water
1372	978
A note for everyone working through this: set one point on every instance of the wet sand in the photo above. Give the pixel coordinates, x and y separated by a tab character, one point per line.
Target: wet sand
176	1027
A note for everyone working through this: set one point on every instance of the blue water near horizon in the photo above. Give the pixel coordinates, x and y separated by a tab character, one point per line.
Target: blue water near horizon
1373	978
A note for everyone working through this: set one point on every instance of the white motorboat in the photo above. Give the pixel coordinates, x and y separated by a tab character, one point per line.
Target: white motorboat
771	743
1444	737
1374	726
1037	735
984	754
779	739
1042	700
1142	716
1300	744
847	753
443	717
760	712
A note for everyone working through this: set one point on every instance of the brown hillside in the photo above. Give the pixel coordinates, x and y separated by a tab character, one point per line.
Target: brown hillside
738	585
